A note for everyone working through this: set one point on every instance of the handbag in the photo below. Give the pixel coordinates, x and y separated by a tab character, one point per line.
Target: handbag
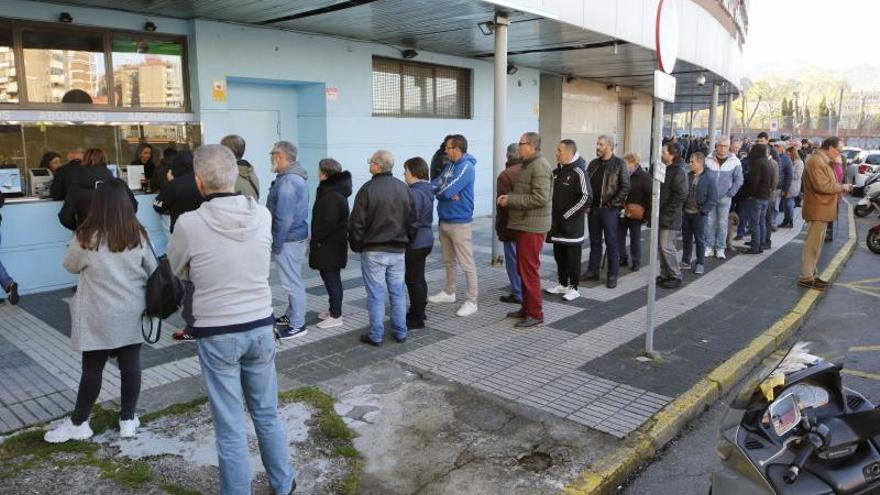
634	211
163	296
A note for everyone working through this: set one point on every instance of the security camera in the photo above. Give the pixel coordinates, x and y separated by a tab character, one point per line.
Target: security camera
701	80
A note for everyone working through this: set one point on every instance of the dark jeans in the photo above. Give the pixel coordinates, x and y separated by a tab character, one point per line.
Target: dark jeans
129	359
603	222
743	210
333	283
787	206
568	263
414	276
634	229
693	231
759	222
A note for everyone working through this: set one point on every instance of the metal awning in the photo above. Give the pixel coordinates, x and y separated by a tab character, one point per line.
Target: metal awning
448	27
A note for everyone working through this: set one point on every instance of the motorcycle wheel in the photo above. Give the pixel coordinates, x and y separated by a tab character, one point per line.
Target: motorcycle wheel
873	241
862	211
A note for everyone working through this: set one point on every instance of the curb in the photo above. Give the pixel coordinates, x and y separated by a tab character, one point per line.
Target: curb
607	473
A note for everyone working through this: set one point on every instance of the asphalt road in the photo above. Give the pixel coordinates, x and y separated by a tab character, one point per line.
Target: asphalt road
843	328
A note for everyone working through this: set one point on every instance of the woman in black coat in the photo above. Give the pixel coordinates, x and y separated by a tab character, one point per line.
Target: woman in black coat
84	180
328	246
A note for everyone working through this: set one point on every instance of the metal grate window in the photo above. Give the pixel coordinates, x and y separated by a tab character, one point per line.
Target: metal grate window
410	89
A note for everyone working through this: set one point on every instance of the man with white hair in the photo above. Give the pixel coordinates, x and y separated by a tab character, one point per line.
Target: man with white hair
382	223
725	169
223	249
289	203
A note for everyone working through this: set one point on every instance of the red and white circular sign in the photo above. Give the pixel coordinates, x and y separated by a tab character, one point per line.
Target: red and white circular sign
666	34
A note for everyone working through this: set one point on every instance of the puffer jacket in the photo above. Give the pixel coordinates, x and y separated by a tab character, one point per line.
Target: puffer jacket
288	202
615	181
328	245
728	176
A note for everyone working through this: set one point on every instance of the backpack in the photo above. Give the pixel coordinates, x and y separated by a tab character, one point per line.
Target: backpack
164	295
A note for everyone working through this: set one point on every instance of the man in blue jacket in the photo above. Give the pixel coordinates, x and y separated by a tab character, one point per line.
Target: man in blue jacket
454	189
289	203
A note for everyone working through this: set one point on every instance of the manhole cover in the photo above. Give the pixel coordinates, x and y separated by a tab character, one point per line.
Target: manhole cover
535	461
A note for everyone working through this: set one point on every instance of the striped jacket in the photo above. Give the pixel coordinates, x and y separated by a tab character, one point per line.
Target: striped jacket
571	197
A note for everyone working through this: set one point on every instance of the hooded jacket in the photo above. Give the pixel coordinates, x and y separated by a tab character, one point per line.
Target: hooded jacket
728	176
247	182
423	201
223	249
571	198
79	194
288	202
456	181
759	182
328	245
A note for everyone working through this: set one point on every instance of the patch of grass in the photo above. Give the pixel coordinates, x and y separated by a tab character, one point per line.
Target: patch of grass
173	489
101	419
174	410
31	443
130	474
346	450
329	422
351	482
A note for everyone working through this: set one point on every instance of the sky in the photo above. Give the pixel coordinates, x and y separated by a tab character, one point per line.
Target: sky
785	34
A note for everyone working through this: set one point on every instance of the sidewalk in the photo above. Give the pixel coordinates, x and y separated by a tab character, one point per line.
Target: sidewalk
465	397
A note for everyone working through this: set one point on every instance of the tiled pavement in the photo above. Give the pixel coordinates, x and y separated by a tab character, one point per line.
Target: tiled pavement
581	365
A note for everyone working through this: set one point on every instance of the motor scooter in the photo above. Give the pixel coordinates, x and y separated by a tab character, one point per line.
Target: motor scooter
873	239
796	430
870	201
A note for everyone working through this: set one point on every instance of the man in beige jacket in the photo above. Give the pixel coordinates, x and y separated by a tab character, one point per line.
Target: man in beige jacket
821	195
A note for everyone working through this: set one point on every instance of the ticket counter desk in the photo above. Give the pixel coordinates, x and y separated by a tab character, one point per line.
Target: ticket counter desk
34	242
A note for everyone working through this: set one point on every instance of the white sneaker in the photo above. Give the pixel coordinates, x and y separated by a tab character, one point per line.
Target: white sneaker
128	427
710	252
571	294
330	322
324	315
559	289
720	254
68	431
467	309
441	297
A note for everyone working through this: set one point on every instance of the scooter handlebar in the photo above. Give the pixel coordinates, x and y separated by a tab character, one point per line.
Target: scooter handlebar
812	441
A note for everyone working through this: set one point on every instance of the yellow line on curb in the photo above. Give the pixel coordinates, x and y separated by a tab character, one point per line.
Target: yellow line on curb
861	374
607	473
864	348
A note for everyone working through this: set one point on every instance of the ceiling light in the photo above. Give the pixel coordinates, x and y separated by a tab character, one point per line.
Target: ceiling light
409	53
149	26
511	69
701	80
65	18
487	27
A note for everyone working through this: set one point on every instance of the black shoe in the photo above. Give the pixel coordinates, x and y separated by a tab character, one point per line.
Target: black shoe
367	340
660	279
399	340
635	267
291	333
12	292
517	314
624	261
415	323
590	277
671	283
529	322
752	251
282	321
611	283
510	299
292	489
828	238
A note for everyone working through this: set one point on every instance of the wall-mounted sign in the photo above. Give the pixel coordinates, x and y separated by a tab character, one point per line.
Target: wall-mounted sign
93	118
664	86
332	93
666	35
218	90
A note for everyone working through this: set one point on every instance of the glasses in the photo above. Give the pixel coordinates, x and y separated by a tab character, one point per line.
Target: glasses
371	161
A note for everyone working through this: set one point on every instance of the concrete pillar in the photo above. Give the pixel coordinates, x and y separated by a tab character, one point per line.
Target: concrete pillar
499	147
713	116
728	115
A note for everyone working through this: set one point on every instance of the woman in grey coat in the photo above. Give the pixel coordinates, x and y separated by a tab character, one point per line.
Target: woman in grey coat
111	255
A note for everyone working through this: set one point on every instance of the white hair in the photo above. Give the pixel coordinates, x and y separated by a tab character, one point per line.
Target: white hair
215	166
608	139
723	139
288	149
384	159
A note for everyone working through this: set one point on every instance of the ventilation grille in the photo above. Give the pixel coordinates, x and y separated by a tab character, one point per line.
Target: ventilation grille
854	401
753	443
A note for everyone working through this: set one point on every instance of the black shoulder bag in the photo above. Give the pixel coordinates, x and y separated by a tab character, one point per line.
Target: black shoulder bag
163	296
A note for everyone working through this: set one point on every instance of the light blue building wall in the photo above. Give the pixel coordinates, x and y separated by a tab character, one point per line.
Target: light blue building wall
277	85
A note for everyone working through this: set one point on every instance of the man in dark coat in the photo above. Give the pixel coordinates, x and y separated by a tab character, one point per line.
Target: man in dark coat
63	177
504	185
328	244
757	190
640	194
180	194
672	195
571	198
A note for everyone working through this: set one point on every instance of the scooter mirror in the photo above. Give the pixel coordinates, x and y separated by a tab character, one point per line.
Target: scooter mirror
785	414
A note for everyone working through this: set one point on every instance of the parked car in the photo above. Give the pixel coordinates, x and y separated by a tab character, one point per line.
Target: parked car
850	153
864	164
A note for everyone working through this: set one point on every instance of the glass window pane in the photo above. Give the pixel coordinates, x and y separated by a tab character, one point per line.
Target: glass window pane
148	73
64	67
8	77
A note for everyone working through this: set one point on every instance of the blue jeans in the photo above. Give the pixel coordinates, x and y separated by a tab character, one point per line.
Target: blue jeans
290	261
745	217
716	224
236	368
693	229
787	206
510	266
603	221
381	270
758	221
5	279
